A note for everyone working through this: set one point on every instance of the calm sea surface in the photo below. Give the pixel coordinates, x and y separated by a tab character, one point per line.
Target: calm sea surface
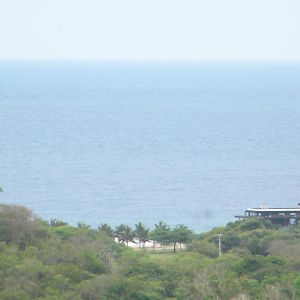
191	143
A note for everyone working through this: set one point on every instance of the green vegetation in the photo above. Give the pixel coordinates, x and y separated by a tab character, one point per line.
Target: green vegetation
54	261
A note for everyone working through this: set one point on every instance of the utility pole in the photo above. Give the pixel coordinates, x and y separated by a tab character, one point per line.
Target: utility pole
220	244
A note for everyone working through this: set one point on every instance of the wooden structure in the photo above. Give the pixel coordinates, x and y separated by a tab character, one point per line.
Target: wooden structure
282	216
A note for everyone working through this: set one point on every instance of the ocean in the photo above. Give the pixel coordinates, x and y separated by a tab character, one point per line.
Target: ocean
191	143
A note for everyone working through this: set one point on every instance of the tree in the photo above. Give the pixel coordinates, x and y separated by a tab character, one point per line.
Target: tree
105	228
183	234
205	248
118	232
162	226
18	225
83	225
142	233
57	223
160	234
164	235
124	233
179	235
297	287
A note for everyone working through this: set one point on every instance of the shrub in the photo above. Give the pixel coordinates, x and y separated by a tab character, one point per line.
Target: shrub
203	247
251	224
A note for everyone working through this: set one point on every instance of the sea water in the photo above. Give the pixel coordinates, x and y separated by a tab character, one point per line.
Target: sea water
191	143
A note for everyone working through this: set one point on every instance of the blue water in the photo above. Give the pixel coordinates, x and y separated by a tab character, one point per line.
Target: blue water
115	142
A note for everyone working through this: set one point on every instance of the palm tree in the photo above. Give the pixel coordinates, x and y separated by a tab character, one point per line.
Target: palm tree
124	233
118	232
83	225
159	234
105	228
128	234
57	223
141	232
161	226
181	227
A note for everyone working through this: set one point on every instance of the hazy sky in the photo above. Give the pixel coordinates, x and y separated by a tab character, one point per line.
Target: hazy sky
150	29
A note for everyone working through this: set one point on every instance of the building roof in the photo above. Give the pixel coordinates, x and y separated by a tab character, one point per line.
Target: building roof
273	209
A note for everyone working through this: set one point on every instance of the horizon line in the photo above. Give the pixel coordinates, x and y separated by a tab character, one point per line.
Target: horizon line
147	60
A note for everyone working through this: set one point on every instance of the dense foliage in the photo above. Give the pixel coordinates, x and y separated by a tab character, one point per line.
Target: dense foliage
56	261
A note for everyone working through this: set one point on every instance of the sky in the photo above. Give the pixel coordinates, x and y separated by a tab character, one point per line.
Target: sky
150	29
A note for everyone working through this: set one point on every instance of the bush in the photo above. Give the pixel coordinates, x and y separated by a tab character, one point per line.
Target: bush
74	273
203	247
92	263
251	224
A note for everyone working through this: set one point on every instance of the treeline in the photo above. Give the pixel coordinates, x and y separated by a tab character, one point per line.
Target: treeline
55	261
162	234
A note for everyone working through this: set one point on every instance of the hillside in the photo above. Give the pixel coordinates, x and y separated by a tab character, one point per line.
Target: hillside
53	261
